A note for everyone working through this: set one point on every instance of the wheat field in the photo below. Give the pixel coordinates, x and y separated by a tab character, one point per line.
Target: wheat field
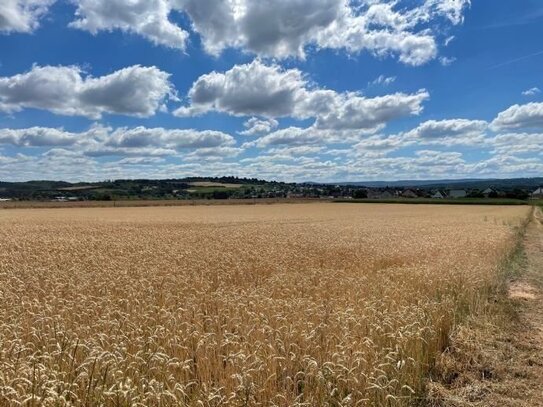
269	305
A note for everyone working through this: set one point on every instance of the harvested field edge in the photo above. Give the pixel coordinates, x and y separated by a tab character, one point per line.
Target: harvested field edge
425	201
449	382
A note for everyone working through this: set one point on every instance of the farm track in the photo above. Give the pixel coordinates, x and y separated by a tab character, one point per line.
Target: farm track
498	361
527	292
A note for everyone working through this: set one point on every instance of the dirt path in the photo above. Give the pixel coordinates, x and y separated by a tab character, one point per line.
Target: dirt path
497	361
527	294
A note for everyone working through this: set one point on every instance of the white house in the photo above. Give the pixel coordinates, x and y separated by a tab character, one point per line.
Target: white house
438	195
487	192
538	193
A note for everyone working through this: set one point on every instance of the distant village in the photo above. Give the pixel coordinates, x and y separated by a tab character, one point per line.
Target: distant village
244	188
385	193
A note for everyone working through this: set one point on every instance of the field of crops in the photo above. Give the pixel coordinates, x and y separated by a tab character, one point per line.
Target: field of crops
265	305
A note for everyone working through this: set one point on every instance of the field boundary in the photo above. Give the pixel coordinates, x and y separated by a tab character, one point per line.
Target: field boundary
494	358
430	201
261	201
153	203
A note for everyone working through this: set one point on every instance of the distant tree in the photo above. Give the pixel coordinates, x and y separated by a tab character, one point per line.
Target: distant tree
221	194
360	194
475	194
518	193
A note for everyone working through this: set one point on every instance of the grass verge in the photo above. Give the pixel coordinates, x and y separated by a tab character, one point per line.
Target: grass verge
483	358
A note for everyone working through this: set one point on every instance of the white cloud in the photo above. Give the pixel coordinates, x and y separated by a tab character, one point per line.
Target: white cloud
351	111
123	141
531	92
520	116
446	61
451	9
383	80
247	90
148	18
37	137
280	28
270	91
255	126
292	136
517	143
296	151
439	129
382	31
22	15
141	161
382	144
214	153
134	91
139	137
310	136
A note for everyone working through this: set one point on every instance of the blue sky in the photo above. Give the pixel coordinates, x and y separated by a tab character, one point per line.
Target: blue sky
294	90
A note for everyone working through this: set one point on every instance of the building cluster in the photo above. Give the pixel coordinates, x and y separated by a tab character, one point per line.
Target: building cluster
384	193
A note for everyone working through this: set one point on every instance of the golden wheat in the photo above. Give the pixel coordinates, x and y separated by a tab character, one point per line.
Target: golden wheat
282	305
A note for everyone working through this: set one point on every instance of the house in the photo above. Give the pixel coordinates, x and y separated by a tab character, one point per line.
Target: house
386	195
458	193
438	195
409	194
380	194
5	199
489	192
538	193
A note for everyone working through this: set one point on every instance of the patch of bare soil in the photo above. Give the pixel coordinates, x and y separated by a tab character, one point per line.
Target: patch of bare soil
497	359
521	290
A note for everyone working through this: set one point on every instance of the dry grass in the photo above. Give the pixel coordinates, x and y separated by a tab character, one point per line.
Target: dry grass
495	358
278	305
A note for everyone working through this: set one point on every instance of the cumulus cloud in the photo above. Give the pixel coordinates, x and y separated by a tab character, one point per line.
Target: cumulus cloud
352	111
106	141
296	151
66	90
269	91
22	15
247	90
520	116
280	28
309	136
37	137
293	136
148	18
175	139
214	153
517	143
255	126
438	129
141	161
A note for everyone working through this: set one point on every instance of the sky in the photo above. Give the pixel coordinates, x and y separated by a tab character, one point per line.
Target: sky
288	90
